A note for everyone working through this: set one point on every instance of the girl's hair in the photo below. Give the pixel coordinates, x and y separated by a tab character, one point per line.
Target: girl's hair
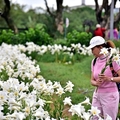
108	44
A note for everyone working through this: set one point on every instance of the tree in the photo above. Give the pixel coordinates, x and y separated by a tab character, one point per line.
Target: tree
6	15
104	20
58	16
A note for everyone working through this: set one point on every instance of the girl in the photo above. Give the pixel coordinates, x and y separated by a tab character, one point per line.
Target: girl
106	95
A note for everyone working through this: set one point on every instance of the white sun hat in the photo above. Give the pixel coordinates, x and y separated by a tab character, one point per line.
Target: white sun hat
97	40
98	26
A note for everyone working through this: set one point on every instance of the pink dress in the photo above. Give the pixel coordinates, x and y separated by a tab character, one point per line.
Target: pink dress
106	96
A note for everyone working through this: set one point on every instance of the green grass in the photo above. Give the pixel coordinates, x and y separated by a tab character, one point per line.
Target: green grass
78	73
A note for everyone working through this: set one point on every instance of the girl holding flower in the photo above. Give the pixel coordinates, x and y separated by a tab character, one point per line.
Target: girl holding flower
106	95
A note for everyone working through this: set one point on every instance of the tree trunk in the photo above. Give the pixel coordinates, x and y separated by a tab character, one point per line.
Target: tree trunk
58	16
6	15
104	20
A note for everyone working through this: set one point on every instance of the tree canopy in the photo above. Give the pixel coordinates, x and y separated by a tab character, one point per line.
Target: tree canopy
81	18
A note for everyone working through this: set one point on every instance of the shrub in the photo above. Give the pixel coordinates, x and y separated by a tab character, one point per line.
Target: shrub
78	37
6	36
38	35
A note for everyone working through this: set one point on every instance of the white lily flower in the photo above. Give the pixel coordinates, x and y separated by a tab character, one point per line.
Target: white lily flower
113	51
87	101
107	117
2	117
3	97
14	102
27	110
86	115
40	113
116	58
104	51
60	91
69	86
77	109
41	102
94	111
67	101
20	115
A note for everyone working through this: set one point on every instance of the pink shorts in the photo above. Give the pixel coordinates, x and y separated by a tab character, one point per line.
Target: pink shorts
107	103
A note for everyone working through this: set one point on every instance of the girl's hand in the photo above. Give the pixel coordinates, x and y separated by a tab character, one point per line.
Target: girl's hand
99	82
103	77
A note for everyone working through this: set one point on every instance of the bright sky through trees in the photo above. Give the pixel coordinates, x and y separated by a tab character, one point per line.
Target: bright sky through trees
52	3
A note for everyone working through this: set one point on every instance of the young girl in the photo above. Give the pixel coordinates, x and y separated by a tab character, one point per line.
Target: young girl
106	96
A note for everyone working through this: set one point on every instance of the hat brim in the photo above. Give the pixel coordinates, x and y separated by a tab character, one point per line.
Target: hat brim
91	46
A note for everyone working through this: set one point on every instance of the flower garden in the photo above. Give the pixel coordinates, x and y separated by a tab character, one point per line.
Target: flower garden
26	95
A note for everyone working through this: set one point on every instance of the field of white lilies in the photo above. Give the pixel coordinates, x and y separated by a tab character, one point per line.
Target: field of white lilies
26	95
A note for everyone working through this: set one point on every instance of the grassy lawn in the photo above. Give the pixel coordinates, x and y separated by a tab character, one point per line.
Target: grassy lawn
78	73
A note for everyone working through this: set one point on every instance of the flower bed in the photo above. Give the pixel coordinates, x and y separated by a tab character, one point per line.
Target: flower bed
26	95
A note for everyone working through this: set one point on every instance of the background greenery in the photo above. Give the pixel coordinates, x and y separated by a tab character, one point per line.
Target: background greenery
36	25
32	17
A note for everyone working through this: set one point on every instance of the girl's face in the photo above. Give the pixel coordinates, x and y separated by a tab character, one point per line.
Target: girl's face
96	51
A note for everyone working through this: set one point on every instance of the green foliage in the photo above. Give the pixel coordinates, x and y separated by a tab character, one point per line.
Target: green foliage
78	16
78	37
60	42
3	75
38	35
27	19
117	43
47	57
6	36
